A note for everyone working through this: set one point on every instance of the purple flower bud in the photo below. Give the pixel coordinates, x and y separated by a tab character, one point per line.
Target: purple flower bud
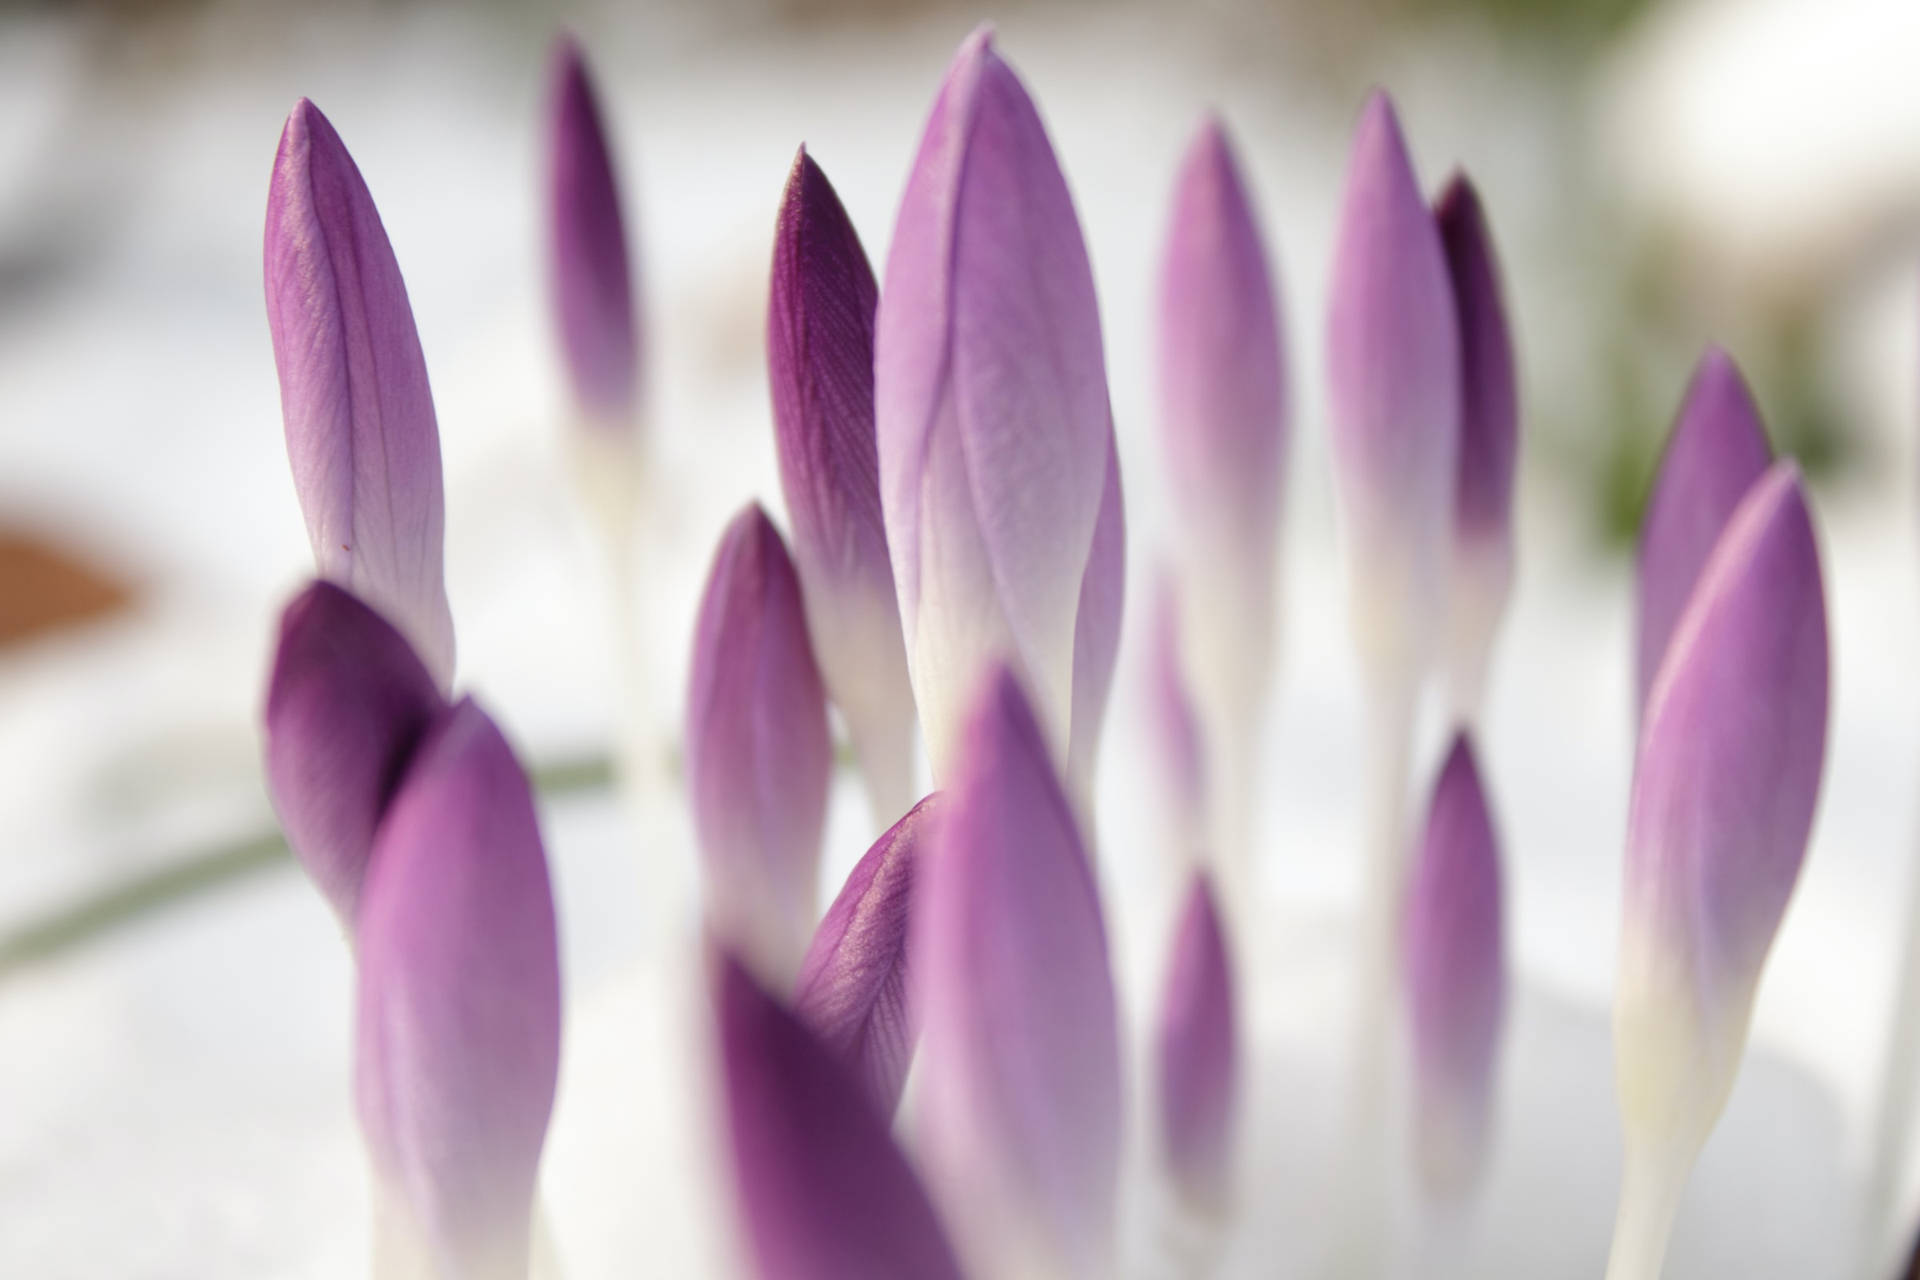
1454	951
824	1192
1096	631
458	1032
759	759
1731	751
1020	1059
1717	450
1198	1056
361	435
590	275
1223	390
820	366
347	704
1489	440
853	983
991	400
1393	369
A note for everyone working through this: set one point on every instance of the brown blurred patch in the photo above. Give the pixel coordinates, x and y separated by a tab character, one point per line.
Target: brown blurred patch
44	587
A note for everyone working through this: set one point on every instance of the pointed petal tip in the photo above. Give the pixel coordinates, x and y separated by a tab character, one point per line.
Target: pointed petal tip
1197	1052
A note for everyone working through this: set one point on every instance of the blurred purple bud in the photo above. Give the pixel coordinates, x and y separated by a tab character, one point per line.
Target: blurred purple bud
853	988
1020	1059
759	758
1198	1056
1096	631
820	366
824	1192
458	1032
1393	369
590	274
991	401
1454	951
347	703
1717	450
361	435
1223	383
1724	789
1489	442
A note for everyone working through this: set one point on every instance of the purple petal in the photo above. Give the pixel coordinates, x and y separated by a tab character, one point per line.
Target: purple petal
1724	789
589	271
1198	1055
1096	631
759	759
1717	450
852	989
1222	373
824	1192
1393	369
361	435
1454	951
1020	1056
347	703
459	1002
1489	396
991	401
820	367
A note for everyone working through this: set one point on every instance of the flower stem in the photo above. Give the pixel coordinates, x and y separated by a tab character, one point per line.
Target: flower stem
1650	1189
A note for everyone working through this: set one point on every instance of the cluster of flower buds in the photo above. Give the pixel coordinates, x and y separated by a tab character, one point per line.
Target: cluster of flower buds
410	812
957	562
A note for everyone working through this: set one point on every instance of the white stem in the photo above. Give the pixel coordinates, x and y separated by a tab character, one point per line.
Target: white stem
1361	1247
1446	1230
1651	1185
1188	1240
1900	1075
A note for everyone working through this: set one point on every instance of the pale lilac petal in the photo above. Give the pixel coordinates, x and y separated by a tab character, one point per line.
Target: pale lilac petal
991	403
1096	632
820	371
1454	952
361	435
589	272
1198	1055
347	703
853	989
1393	370
1223	392
1731	752
1717	450
824	1193
458	1026
759	758
1020	1058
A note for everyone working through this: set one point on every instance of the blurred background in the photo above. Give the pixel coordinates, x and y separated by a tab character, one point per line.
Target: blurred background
173	998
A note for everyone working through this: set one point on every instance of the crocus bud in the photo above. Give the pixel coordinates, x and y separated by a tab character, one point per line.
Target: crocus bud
1223	418
1096	632
1717	450
1454	953
1198	1056
1489	439
995	435
820	367
824	1194
589	272
1020	1055
361	435
1393	370
759	759
458	1028
853	986
347	703
1724	787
